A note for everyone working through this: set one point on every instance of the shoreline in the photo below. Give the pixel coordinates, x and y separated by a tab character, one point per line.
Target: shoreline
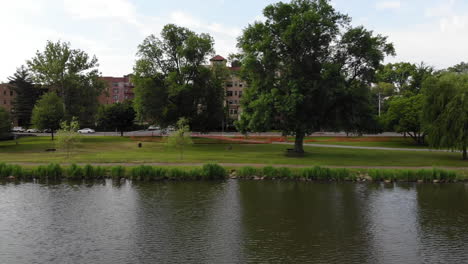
209	172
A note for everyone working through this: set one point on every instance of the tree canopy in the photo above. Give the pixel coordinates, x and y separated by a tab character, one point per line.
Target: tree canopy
172	80
405	76
300	63
118	116
48	113
68	136
446	111
26	95
73	75
404	115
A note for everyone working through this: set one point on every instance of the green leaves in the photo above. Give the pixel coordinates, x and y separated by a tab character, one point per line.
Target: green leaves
72	74
118	116
181	138
301	63
172	80
404	115
67	136
48	112
446	111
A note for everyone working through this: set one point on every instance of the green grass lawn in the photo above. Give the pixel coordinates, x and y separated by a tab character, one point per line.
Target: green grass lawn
123	149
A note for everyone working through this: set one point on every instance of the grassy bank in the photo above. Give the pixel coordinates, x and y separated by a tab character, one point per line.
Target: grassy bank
125	150
216	172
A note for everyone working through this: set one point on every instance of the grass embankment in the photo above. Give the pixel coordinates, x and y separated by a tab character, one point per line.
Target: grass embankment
216	172
125	150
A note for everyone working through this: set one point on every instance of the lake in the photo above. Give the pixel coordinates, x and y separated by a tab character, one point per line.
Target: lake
233	222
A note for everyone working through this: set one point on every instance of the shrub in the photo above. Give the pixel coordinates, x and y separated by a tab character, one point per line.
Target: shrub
213	172
284	173
175	174
117	172
269	172
75	172
247	172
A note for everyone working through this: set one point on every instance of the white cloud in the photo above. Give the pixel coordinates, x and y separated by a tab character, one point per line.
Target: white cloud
388	5
430	44
225	36
95	9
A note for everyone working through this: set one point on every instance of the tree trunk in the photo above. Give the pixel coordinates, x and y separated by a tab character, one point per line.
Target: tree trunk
52	135
465	155
299	142
121	133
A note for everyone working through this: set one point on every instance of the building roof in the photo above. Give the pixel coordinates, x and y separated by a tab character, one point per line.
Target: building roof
217	58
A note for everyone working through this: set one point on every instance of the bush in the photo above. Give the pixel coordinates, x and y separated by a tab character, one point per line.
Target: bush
74	172
247	172
117	172
213	172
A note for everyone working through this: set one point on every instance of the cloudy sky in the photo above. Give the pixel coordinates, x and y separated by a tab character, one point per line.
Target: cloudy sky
433	31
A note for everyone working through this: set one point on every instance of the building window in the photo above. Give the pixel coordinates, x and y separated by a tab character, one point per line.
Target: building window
240	94
235	101
4	101
11	93
235	111
241	84
229	84
116	91
235	93
4	92
115	84
116	97
230	102
229	93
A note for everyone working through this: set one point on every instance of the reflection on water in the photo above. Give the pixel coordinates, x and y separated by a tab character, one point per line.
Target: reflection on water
233	222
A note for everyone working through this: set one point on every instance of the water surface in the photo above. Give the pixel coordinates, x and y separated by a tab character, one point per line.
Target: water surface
233	222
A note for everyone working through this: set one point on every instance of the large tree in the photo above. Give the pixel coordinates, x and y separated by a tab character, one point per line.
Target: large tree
404	115
405	76
119	116
172	81
48	113
73	75
446	111
300	63
26	95
462	67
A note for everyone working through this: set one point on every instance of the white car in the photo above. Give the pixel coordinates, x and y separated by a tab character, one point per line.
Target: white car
153	127
86	131
18	129
33	130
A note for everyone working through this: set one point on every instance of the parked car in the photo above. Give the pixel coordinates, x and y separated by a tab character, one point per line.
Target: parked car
47	130
33	130
18	129
86	131
153	127
170	128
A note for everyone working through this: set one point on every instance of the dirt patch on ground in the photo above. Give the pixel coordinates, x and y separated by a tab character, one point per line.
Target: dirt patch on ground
354	139
148	139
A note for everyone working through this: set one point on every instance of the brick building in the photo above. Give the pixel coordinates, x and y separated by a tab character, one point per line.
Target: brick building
6	97
233	86
118	89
